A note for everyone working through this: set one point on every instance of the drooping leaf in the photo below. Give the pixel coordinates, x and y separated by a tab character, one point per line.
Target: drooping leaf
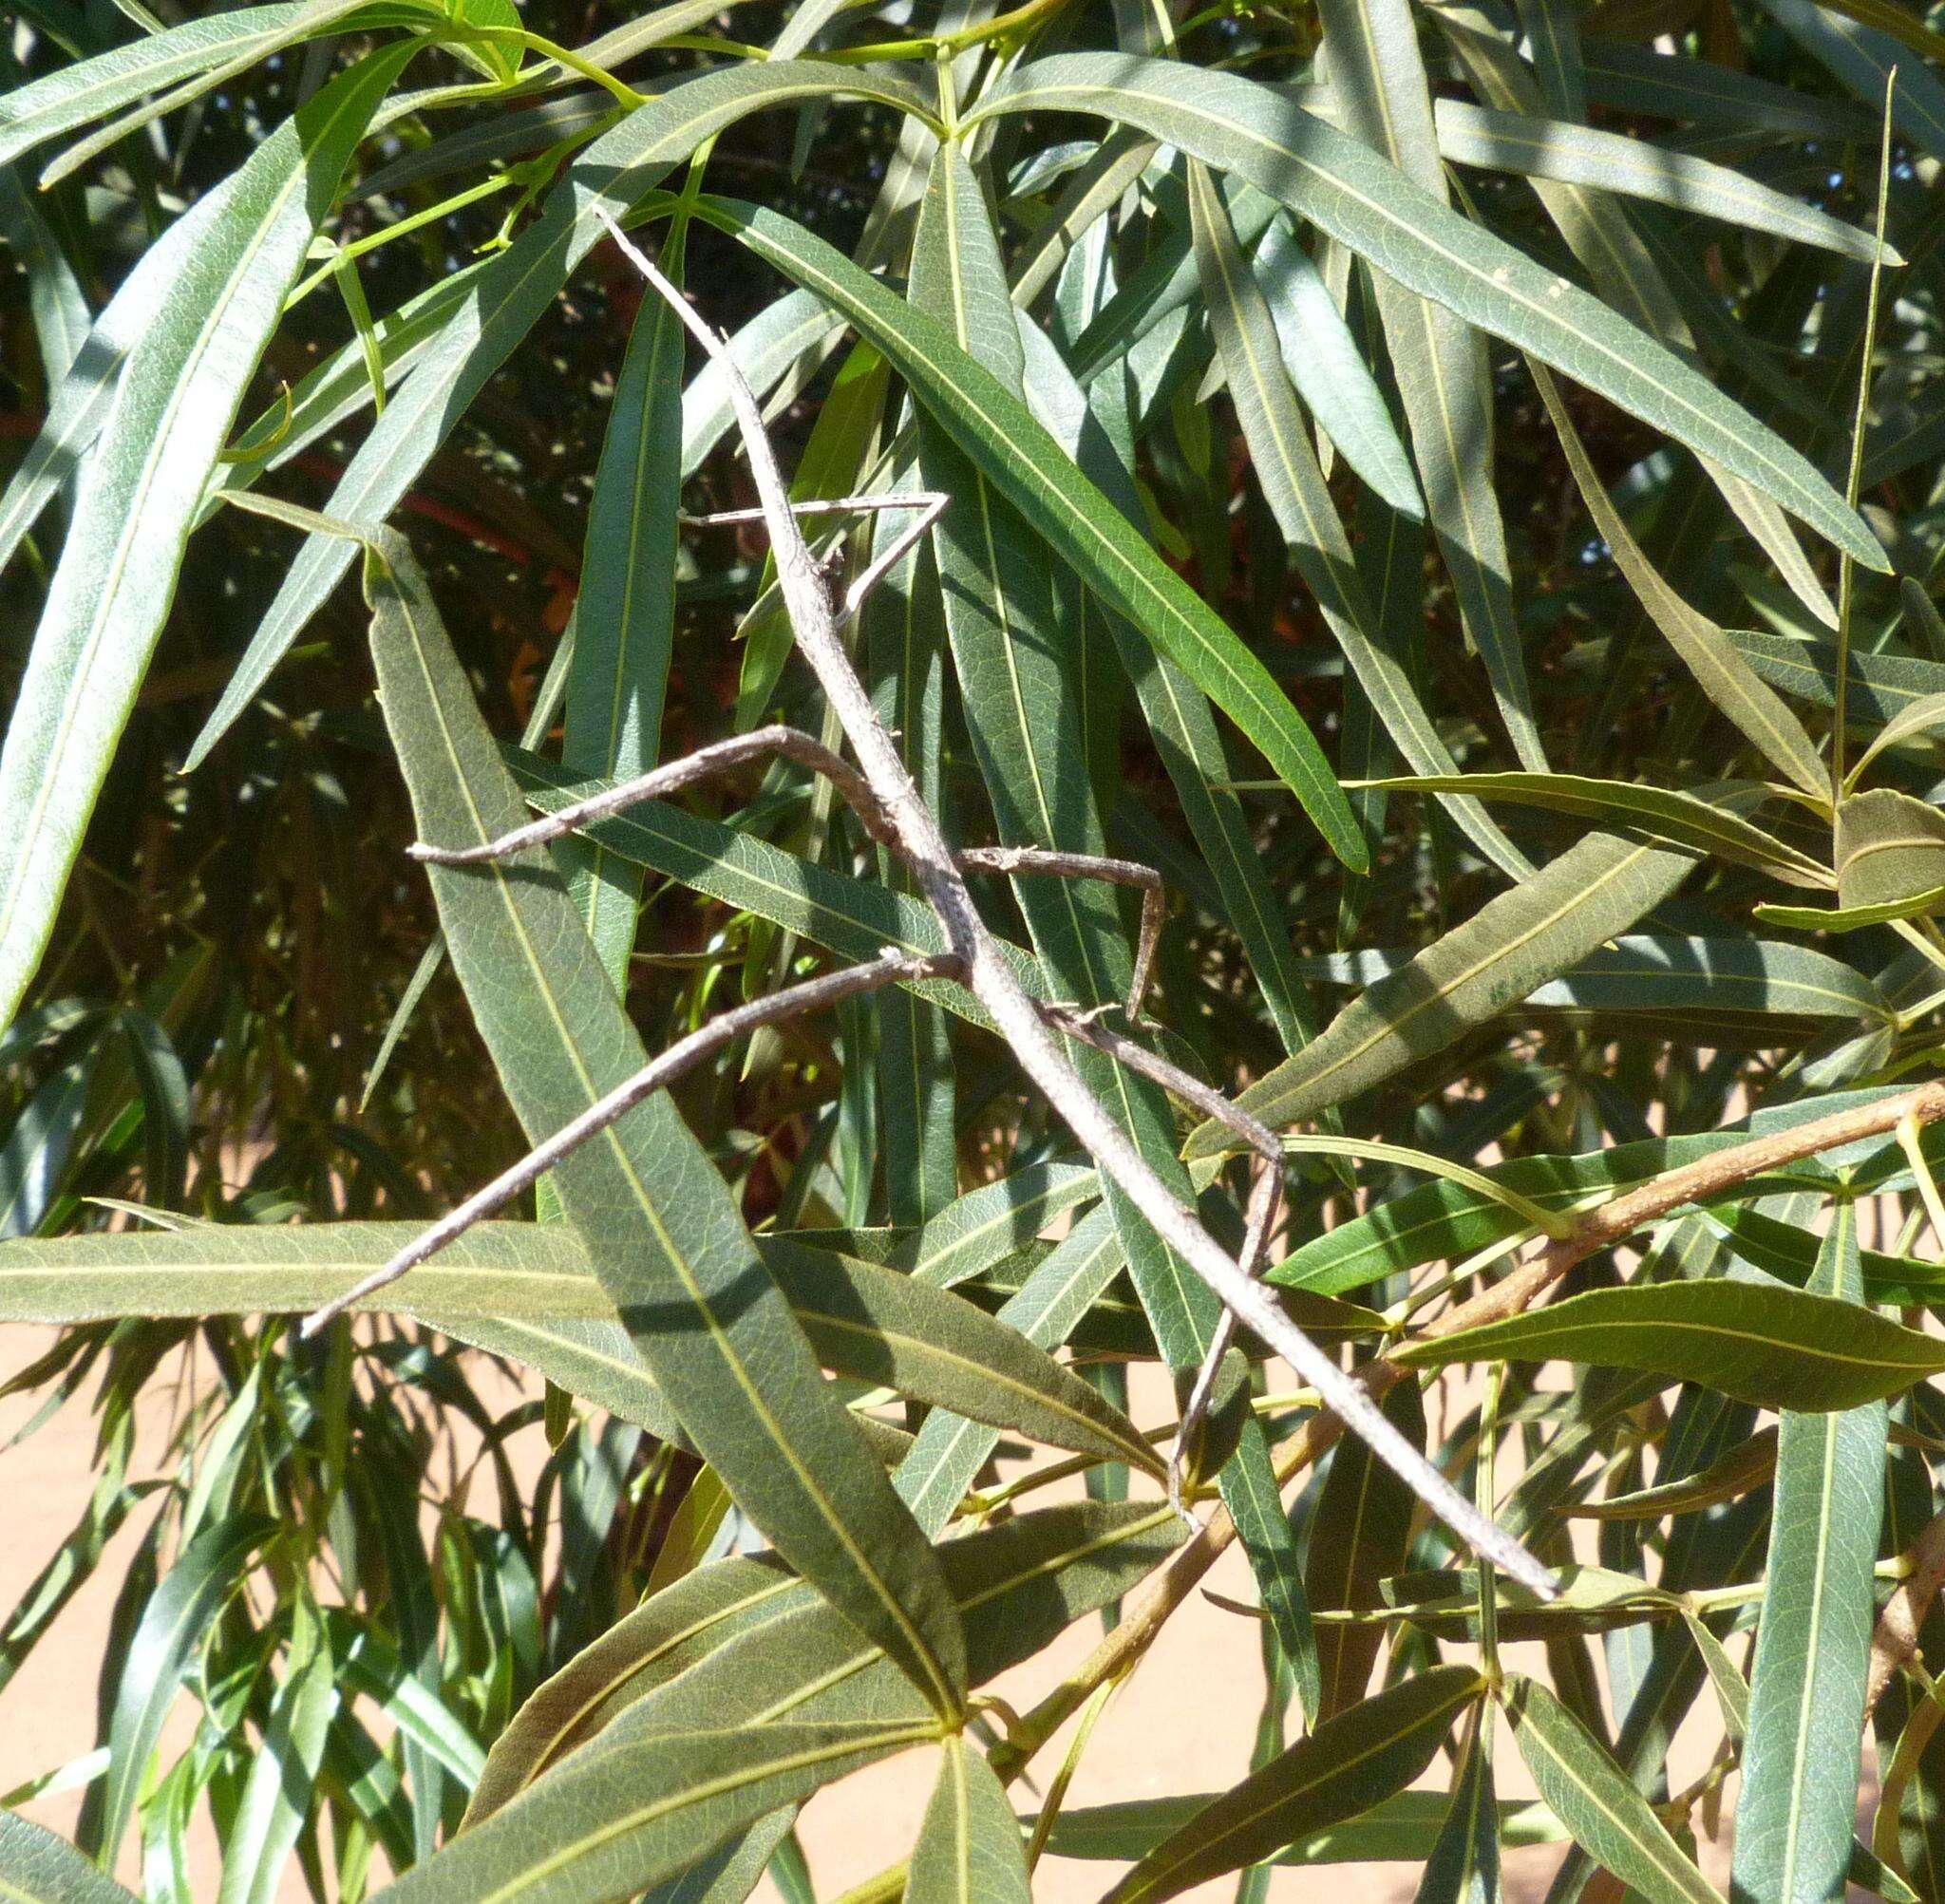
1594	1799
1801	1757
177	391
1244	127
661	1230
173	1627
996	433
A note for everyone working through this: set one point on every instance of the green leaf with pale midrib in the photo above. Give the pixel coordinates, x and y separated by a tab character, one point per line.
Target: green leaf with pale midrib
38	1868
661	1229
1802	1758
1768	1343
136	499
627	1813
1294	487
1594	1799
968	1849
1403	1827
1515	943
1550	148
1344	1767
612	175
997	432
1332	180
745	1628
1668	815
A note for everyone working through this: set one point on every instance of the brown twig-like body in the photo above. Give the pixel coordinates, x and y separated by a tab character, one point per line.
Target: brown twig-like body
816	622
890	968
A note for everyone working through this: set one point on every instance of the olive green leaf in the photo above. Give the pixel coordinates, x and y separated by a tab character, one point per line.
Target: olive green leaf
1347	1764
1594	1799
1802	1758
1890	850
1719	670
1241	126
1513	943
136	499
968	1849
1404	1827
1665	815
38	1868
661	1229
1769	1344
993	429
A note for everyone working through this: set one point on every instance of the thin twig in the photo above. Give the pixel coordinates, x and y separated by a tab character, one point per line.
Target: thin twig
891	967
815	621
1090	866
705	763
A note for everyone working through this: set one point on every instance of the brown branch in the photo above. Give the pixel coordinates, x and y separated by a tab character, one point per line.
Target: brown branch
1600	1228
1896	1638
1090	866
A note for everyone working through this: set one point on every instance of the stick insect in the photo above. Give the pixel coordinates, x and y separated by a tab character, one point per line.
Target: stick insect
882	792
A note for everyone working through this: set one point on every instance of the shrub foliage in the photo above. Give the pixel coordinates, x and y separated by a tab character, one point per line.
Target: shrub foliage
1379	608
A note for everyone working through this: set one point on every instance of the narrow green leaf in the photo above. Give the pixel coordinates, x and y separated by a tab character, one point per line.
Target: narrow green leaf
612	175
883	1326
179	390
1464	1867
968	1849
1720	671
1403	1828
1344	1767
1439	365
904	635
1360	1532
659	1224
174	1624
1294	488
1609	161
1768	1343
1323	361
1593	1798
628	1812
1665	814
56	305
1446	1219
1921	717
1180	722
949	1449
994	430
1746	1466
282	1774
1513	943
976	1230
1327	177
624	622
91	89
1802	1756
